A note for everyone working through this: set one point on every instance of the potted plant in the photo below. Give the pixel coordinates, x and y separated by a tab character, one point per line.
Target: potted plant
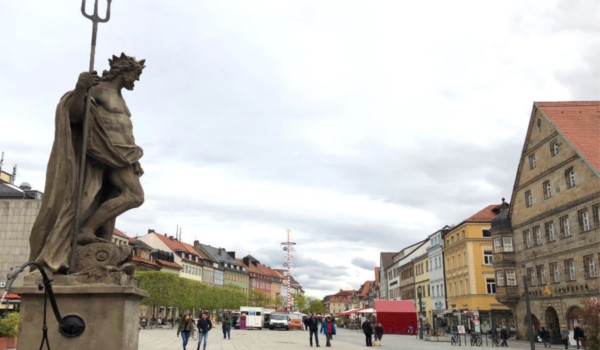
9	329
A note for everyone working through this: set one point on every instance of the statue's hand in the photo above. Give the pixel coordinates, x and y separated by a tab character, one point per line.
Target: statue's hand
87	80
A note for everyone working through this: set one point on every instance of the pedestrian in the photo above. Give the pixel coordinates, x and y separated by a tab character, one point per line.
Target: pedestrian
328	328
186	327
564	333
234	321
243	321
368	330
504	336
545	335
204	326
579	335
312	324
410	330
378	332
226	328
305	322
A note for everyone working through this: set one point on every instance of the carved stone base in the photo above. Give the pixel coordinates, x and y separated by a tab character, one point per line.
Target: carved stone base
110	313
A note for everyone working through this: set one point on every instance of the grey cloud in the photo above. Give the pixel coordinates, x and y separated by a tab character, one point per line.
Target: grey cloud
363	263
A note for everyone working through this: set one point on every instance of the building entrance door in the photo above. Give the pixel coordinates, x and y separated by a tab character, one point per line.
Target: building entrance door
552	324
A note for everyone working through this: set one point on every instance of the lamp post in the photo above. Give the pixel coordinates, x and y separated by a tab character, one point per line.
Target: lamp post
419	290
528	306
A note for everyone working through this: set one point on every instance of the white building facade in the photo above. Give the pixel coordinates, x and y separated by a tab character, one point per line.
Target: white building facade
399	260
436	270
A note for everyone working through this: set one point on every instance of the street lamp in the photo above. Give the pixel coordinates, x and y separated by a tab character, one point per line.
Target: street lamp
419	290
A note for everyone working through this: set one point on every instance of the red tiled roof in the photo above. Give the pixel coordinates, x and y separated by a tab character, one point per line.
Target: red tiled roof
168	263
120	234
487	214
579	123
377	269
138	259
174	244
364	292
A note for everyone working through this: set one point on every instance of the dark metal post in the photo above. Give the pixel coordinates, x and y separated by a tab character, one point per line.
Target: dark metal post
528	306
419	291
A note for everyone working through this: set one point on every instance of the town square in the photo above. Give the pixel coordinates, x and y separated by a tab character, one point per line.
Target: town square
292	174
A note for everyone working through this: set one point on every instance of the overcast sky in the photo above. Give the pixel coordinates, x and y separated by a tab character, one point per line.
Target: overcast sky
362	126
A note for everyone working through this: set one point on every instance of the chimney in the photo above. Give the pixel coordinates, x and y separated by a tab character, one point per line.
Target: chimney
151	231
196	244
14	175
170	237
231	254
221	251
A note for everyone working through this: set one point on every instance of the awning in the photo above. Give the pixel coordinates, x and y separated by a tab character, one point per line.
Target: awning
349	312
368	311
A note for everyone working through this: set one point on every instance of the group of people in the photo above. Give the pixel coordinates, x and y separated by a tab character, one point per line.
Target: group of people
187	327
327	327
369	329
578	335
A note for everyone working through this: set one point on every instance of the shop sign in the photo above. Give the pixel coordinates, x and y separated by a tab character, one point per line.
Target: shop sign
476	321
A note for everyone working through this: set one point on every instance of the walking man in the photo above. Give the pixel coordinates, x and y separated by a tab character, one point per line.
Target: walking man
545	335
226	328
504	336
368	330
579	335
312	324
328	328
204	325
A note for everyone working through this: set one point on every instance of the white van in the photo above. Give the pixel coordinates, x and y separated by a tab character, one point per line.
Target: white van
279	320
255	317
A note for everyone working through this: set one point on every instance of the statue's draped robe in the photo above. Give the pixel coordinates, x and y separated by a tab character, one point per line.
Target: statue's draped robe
52	233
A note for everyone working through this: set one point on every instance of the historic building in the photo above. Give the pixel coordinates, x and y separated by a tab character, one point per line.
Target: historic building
394	272
470	279
19	206
436	274
385	261
407	281
260	279
421	273
340	301
550	232
229	272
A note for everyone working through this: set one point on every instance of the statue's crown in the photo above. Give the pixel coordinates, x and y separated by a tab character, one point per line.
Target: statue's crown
126	61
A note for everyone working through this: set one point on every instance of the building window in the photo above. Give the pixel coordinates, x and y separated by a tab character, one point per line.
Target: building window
527	239
465	258
486	233
555	272
570	269
463	234
497	245
491	286
531	276
538	235
542	274
550	231
547	190
457	237
596	214
511	278
508	246
589	266
528	199
488	257
570	177
584	220
565	229
554	148
532	161
452	239
500	278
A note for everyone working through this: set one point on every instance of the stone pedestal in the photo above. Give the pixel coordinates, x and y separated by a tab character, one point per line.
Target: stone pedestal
110	312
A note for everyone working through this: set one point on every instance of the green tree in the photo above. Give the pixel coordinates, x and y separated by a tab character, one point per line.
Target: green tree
315	306
300	302
9	326
162	286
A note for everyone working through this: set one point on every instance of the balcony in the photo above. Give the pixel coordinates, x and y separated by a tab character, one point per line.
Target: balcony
504	257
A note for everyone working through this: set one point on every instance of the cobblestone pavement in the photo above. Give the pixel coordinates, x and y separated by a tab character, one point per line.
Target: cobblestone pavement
166	339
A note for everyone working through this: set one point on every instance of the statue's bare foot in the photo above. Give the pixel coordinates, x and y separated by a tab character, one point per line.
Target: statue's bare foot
85	238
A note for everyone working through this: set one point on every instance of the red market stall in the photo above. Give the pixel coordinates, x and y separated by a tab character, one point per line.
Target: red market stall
396	316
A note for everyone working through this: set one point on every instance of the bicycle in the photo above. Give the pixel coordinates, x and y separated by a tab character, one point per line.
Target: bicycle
495	339
455	339
476	339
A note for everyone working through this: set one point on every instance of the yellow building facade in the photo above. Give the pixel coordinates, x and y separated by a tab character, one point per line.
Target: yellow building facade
470	279
421	271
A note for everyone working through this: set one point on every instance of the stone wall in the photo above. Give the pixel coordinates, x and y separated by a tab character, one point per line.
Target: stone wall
16	220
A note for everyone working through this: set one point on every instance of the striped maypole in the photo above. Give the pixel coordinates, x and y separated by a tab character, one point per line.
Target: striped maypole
288	247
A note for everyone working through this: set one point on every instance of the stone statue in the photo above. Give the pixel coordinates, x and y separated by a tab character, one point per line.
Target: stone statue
112	171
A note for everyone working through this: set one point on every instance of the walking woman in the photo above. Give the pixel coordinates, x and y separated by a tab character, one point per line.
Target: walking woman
328	328
226	328
186	326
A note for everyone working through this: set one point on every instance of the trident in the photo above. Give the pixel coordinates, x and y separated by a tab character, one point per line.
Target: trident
95	20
